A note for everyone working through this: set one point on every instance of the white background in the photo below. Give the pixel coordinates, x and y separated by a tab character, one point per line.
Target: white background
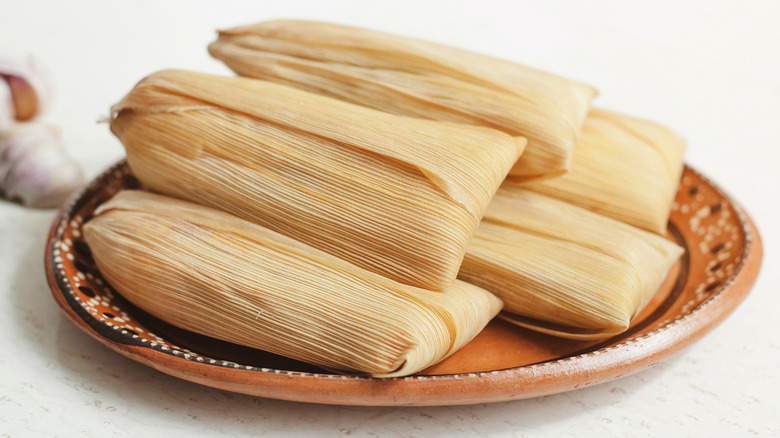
709	70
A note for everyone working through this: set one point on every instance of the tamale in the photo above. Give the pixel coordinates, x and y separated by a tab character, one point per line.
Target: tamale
417	78
562	269
207	271
623	167
395	195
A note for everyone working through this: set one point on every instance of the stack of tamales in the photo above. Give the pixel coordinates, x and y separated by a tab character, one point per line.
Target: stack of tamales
322	206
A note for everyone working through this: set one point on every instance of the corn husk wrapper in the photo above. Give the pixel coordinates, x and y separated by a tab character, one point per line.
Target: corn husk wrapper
623	167
209	272
398	196
417	78
564	270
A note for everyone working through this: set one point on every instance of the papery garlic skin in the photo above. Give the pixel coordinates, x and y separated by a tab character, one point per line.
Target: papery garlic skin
7	108
35	169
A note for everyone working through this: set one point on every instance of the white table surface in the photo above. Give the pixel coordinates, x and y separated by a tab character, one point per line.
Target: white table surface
709	70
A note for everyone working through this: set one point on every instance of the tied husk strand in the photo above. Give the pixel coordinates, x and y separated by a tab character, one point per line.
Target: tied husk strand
212	273
416	78
395	195
623	167
563	270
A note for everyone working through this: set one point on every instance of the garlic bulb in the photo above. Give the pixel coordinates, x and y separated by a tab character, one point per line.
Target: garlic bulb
35	170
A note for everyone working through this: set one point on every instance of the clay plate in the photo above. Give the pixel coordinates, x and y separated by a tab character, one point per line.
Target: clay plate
504	362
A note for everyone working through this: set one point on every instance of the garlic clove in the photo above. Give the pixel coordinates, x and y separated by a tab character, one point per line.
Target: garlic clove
28	85
35	170
25	98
